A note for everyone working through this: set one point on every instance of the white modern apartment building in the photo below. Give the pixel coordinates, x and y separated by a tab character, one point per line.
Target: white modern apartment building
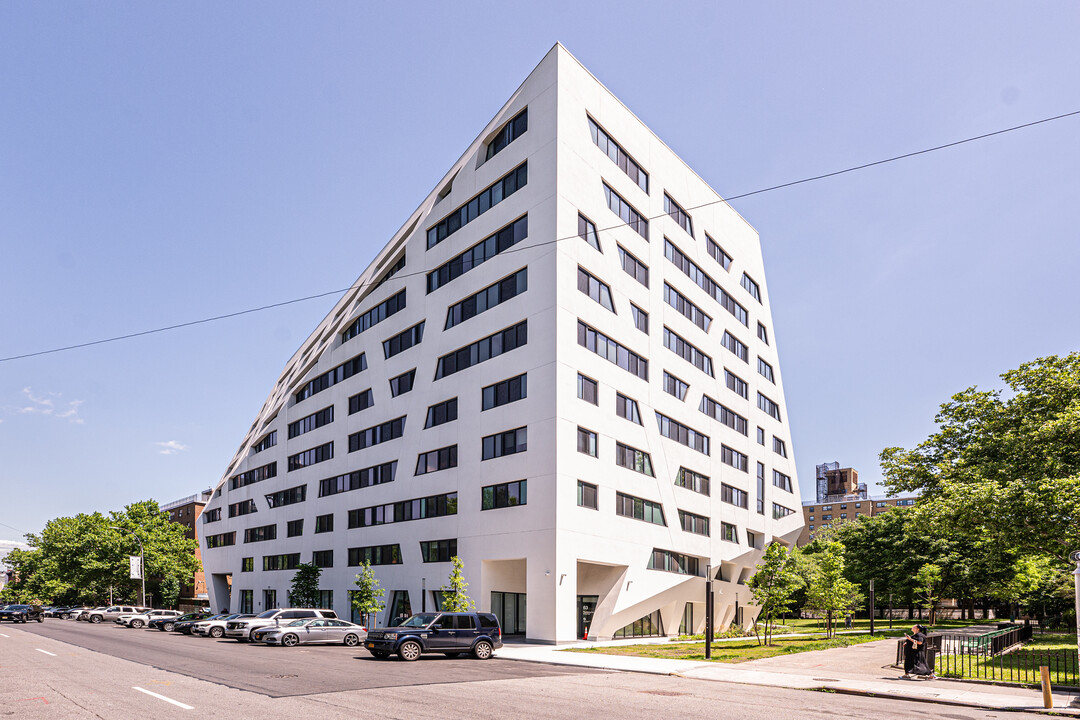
561	369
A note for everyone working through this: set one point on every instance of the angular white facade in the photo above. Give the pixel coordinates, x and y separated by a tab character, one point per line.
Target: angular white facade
667	306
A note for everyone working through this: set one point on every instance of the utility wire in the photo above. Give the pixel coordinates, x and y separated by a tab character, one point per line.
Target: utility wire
725	200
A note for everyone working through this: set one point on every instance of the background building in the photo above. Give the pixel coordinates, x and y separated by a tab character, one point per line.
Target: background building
187	511
840	497
561	369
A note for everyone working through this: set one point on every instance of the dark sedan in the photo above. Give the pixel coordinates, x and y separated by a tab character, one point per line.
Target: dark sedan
22	613
169	624
185	626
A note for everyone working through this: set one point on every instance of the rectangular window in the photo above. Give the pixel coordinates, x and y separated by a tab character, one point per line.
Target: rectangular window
344	371
696	524
751	287
244	507
682	434
765	370
586	441
675	386
404	511
627	408
375	475
221	540
511	131
673	562
588	389
403	383
484	349
509	442
725	415
641	318
633	267
761	436
706	283
294	528
291	496
687	309
678	345
762	333
403	340
442	413
729	532
692	481
586	229
267	442
212	515
733	495
375	555
633	459
718	253
618	156
735	384
435	460
781	480
595	289
495	294
438	550
488	198
383	432
612	351
676	213
503	495
253	476
247	601
313	456
779	446
626	212
740	350
504	392
391	306
312	421
587	495
478	254
761	490
779	511
639	509
768	406
281	562
247	564
734	458
324	523
361	401
322	558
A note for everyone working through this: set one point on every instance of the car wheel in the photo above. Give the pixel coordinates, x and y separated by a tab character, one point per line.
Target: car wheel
40	618
352	640
137	624
168	627
482	650
290	640
216	632
410	650
95	619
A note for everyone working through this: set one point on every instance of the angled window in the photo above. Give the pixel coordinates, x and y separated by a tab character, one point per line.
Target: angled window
641	318
778	446
587	389
403	340
441	413
612	351
438	550
633	459
504	392
392	305
626	212
375	555
734	458
435	460
383	432
736	384
403	383
639	509
762	333
688	352
627	408
704	281
268	441
495	294
692	523
254	475
682	434
313	456
312	421
260	534
618	156
669	561
290	496
781	480
587	495
751	287
686	308
509	442
344	371
692	480
483	350
510	132
586	229
680	216
733	495
633	267
478	254
404	511
374	475
725	415
729	532
733	344
361	401
718	253
595	289
768	406
491	196
765	370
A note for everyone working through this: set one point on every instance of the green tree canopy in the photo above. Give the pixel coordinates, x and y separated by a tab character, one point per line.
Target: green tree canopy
455	598
829	592
773	584
367	598
304	591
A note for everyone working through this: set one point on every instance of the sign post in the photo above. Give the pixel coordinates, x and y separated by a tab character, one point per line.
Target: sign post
1075	557
871	606
136	564
708	612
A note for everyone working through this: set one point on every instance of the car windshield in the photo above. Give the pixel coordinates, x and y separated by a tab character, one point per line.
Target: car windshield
421	620
298	623
17	607
267	614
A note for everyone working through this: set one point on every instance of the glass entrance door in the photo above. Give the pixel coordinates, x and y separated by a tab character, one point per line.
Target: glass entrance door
586	606
510	609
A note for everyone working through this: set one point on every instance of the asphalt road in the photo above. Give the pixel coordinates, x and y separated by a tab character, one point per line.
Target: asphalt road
42	678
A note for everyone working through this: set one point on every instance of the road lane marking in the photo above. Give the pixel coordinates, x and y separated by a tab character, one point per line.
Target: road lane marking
46	652
162	697
2	635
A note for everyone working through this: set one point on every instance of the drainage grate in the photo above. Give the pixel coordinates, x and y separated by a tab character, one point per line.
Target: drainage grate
827	679
664	693
281	677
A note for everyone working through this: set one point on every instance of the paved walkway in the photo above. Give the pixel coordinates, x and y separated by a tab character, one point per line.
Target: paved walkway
860	669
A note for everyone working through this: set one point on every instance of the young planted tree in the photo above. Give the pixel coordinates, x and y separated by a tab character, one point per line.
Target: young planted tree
304	591
367	598
170	591
772	586
830	593
454	597
928	588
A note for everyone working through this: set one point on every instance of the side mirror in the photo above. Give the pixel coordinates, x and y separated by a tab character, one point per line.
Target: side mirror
434	631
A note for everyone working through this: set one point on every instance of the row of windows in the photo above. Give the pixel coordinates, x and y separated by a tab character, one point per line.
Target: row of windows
441	413
435	460
768	406
692	480
221	540
267	442
212	515
403	383
612	351
352	366
484	349
734	458
291	496
781	480
734	496
696	524
686	308
670	561
504	392
509	442
391	306
724	415
488	198
674	430
618	156
595	289
737	347
504	495
312	421
626	212
704	281
405	510
361	401
633	459
383	432
718	254
510	132
479	253
688	352
244	507
288	561
260	534
403	340
494	294
394	270
639	509
674	386
680	216
253	476
438	550
313	456
633	267
430	551
374	475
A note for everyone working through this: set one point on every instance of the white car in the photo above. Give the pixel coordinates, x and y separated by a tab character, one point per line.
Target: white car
215	627
140	620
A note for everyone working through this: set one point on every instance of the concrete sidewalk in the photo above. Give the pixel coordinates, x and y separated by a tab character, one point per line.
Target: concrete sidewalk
859	669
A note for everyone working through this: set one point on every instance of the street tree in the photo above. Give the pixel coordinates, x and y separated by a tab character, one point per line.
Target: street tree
928	588
304	591
367	598
455	598
830	593
772	586
170	591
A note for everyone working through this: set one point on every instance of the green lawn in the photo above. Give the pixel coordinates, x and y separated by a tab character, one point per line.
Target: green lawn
739	650
1058	652
814	625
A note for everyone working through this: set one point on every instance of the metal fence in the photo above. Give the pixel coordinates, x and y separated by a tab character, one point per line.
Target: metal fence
1014	667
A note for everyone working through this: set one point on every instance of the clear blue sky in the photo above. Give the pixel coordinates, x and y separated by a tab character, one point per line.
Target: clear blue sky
162	162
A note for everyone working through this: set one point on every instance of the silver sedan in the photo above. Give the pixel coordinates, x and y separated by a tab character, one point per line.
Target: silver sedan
310	631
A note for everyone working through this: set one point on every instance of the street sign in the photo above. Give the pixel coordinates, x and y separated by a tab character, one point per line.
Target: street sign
136	567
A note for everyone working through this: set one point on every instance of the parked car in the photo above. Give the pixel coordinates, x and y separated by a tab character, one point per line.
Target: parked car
110	613
22	613
57	612
168	624
215	626
185	626
73	613
140	620
241	629
448	633
85	614
311	631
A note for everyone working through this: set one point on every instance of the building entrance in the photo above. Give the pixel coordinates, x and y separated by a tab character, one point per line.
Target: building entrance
586	606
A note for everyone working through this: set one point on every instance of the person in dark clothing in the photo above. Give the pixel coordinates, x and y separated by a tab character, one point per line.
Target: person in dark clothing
915	654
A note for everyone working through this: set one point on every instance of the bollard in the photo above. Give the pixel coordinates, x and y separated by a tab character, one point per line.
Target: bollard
1048	699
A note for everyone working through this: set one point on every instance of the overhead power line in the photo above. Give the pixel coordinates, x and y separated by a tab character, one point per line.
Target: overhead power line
725	200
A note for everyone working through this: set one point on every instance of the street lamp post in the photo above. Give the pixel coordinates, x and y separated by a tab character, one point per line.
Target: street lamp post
142	564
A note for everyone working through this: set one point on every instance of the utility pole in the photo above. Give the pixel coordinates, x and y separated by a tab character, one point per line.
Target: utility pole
871	606
709	611
142	564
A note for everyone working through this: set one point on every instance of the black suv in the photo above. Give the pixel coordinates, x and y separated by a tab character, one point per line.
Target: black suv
22	613
449	633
